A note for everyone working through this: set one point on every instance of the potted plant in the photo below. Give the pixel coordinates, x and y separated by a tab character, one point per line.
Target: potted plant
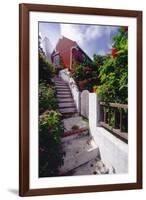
82	84
94	88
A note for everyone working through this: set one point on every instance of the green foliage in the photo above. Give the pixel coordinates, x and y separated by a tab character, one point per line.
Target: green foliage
47	100
46	70
50	151
79	72
98	59
50	125
50	131
113	74
86	73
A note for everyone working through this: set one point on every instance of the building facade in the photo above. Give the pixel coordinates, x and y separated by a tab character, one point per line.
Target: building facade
67	53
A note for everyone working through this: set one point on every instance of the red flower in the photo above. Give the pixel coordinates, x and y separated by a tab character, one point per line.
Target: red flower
114	52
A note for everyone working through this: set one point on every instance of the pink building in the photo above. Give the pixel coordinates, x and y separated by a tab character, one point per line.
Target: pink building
66	53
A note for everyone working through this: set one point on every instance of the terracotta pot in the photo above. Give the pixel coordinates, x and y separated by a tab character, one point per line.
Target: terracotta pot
94	89
82	84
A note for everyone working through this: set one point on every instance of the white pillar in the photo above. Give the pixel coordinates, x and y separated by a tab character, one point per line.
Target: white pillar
94	110
98	110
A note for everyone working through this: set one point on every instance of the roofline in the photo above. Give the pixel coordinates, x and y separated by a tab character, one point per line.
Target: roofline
84	53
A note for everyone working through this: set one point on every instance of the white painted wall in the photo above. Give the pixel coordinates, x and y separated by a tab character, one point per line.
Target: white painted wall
65	75
85	103
114	152
92	110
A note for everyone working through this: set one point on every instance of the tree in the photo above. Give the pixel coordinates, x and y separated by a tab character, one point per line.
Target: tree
98	60
113	74
46	70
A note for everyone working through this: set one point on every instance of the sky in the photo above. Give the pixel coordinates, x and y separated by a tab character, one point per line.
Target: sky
93	39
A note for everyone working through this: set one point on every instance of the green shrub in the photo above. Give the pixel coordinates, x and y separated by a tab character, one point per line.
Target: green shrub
78	74
50	151
113	74
47	99
85	75
46	70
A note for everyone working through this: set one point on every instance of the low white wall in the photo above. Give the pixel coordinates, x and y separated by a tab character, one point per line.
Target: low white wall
75	93
92	110
65	75
114	152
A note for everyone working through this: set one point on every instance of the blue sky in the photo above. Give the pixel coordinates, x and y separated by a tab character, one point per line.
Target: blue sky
93	39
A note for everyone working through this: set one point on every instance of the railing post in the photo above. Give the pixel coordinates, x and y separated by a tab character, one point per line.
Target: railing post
98	110
79	102
101	113
116	111
104	111
121	120
115	118
106	116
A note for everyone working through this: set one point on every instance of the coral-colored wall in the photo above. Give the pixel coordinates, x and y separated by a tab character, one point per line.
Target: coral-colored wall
64	48
68	52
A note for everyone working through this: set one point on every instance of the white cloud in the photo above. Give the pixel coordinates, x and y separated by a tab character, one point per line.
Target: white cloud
81	34
87	35
93	32
72	32
102	52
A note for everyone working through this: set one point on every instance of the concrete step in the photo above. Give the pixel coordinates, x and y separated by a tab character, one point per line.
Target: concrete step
75	127
68	115
77	133
60	81
72	121
63	92
65	100
67	110
67	105
93	167
77	152
64	96
61	84
62	87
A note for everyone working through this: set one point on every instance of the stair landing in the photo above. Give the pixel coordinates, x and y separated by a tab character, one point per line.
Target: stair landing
77	152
